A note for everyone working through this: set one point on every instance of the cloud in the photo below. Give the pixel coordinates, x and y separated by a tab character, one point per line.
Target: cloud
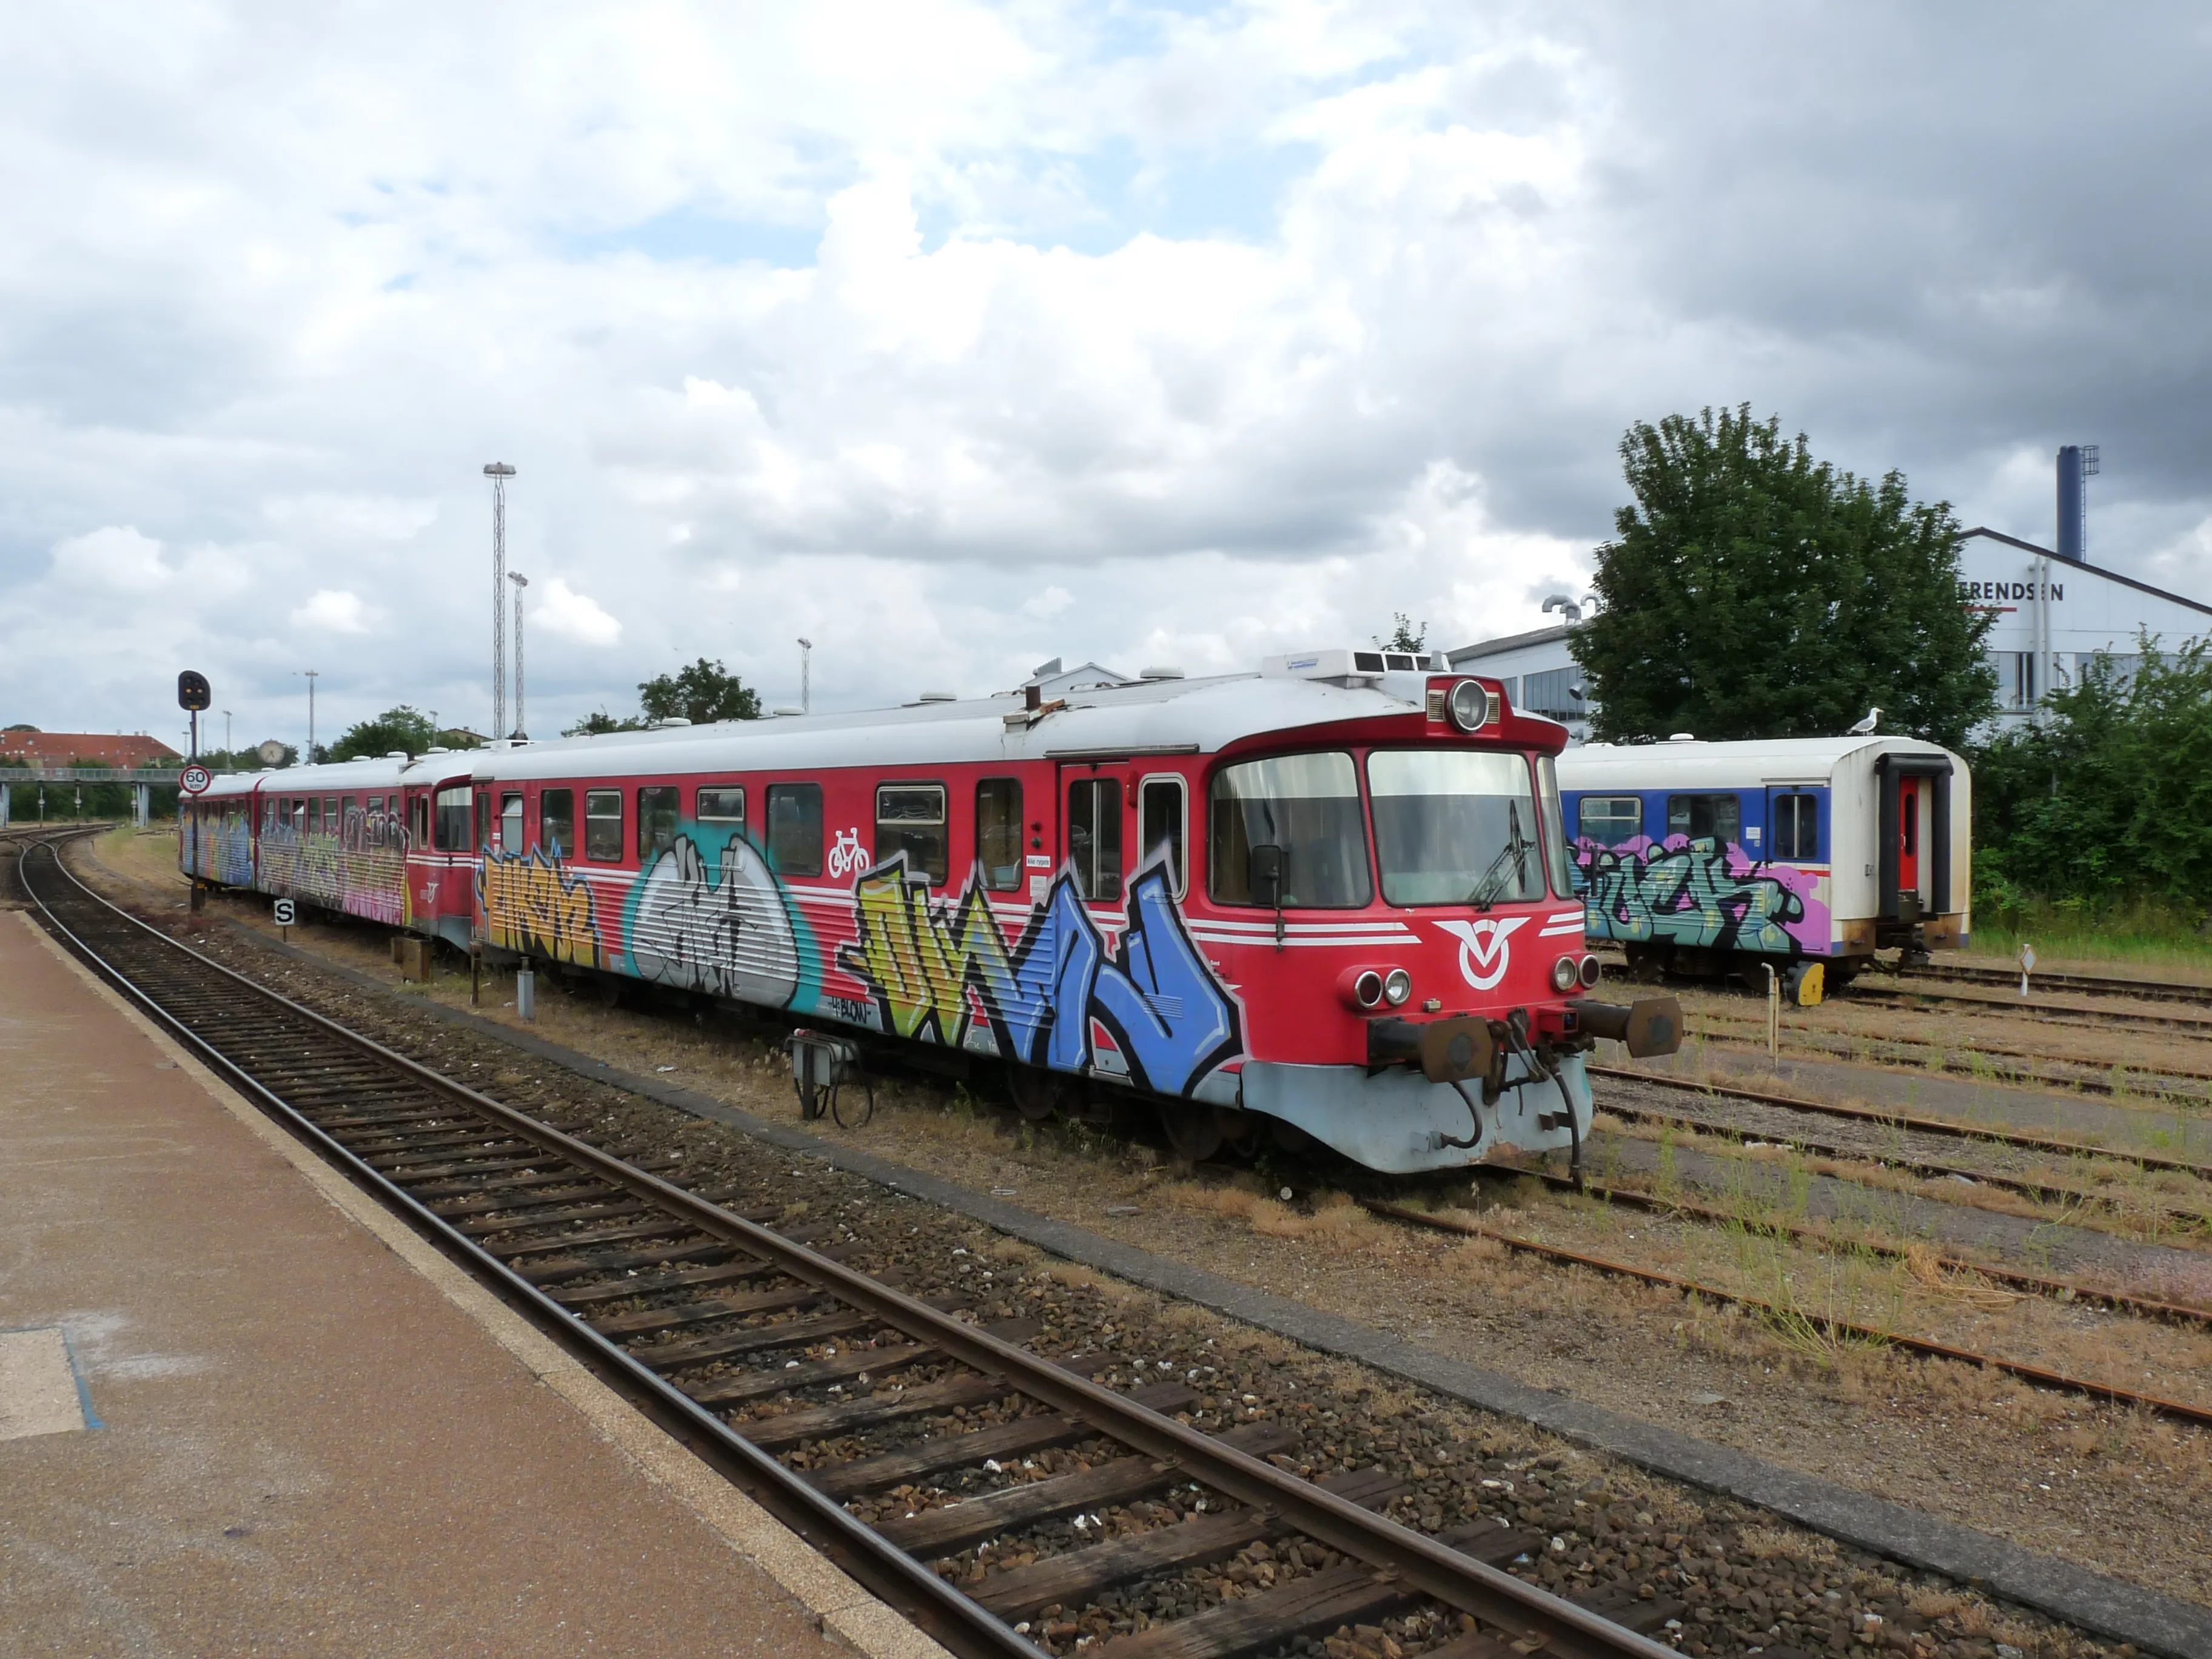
956	336
568	615
333	611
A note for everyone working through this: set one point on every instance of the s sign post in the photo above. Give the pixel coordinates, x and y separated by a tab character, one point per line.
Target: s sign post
193	695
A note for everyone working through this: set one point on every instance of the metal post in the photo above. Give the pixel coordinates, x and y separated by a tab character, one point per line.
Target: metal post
311	675
520	582
1773	1015
142	801
807	676
499	472
4	804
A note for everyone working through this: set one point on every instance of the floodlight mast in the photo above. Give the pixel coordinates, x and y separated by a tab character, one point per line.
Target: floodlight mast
499	472
807	676
520	582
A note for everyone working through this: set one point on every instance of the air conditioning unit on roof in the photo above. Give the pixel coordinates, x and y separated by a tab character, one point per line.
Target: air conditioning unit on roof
1345	665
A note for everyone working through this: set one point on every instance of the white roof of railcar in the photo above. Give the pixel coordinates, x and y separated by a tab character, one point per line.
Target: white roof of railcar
1724	765
1156	717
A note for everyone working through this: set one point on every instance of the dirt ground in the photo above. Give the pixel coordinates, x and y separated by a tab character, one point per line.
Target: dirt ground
2124	1493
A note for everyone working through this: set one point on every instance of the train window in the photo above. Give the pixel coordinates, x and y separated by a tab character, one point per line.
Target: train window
1454	826
453	827
1094	837
556	823
1161	819
910	819
422	822
794	828
1705	817
1610	820
299	815
332	821
483	819
1307	807
721	803
1558	856
314	816
657	807
510	823
603	815
1797	827
999	833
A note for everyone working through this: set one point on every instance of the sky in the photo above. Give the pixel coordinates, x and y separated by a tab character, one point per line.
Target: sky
957	337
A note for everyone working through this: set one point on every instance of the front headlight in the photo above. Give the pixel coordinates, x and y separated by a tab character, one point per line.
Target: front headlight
1398	987
1566	974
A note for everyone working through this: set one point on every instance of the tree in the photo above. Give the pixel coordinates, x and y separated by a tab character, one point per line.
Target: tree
703	692
1754	592
21	725
402	727
1405	636
600	722
2109	796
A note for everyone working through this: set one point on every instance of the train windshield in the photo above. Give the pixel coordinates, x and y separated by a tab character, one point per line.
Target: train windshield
1454	827
1307	808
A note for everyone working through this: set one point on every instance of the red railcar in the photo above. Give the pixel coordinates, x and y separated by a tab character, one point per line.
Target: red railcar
1330	900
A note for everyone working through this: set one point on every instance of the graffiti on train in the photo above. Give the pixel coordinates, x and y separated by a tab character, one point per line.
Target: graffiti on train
725	929
359	868
1697	893
943	971
533	904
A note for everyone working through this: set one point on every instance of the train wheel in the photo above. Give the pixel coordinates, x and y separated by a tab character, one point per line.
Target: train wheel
1037	1091
1191	1130
1242	1132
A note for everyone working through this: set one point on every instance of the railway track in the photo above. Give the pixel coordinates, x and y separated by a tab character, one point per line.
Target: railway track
761	1351
2093	984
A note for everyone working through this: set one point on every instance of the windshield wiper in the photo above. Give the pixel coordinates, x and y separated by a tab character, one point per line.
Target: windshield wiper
1517	848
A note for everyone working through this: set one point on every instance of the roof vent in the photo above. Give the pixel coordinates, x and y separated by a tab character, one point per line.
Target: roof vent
437	749
667	720
1681	737
398	755
1161	672
939	696
1046	669
784	712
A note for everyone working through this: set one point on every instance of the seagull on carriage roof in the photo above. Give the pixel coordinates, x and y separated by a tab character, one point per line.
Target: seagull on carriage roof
1867	725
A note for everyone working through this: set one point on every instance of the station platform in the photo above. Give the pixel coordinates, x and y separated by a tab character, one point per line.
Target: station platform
242	1411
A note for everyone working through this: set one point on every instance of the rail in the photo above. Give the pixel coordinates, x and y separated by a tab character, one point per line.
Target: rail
583	1242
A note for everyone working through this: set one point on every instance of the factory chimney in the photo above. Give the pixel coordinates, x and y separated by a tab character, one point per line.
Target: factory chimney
2075	462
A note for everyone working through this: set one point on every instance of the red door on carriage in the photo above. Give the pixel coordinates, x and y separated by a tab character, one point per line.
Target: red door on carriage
1908	836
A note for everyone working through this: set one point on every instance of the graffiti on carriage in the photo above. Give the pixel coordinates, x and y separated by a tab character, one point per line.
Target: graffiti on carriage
725	929
1701	892
533	904
359	867
943	971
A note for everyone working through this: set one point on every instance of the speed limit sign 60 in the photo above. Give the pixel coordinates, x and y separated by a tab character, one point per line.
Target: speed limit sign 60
286	916
194	780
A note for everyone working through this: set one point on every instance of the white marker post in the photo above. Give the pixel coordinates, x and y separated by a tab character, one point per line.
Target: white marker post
285	913
2026	964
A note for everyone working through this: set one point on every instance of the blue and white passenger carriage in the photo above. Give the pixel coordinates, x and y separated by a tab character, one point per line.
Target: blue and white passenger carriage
1806	853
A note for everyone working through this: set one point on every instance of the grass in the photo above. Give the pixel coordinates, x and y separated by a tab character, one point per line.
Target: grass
2147	933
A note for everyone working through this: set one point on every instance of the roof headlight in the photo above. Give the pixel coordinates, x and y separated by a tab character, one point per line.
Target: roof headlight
1397	988
1468	706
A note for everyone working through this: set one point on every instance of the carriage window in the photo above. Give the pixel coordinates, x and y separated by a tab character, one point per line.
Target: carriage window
721	803
1161	824
349	817
314	815
330	819
1797	827
1454	826
453	819
1094	837
603	829
299	815
999	833
1704	818
910	819
1308	807
1609	820
510	823
483	819
794	828
423	822
556	823
657	809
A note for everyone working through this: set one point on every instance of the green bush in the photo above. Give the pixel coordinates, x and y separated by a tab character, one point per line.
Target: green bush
2105	807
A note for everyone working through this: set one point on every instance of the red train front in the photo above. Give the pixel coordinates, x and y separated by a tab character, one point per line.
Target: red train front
1330	900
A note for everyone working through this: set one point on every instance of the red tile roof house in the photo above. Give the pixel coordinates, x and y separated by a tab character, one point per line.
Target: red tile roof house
85	748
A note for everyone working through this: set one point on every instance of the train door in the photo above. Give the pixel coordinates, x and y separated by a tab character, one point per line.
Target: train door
1094	801
1908	837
